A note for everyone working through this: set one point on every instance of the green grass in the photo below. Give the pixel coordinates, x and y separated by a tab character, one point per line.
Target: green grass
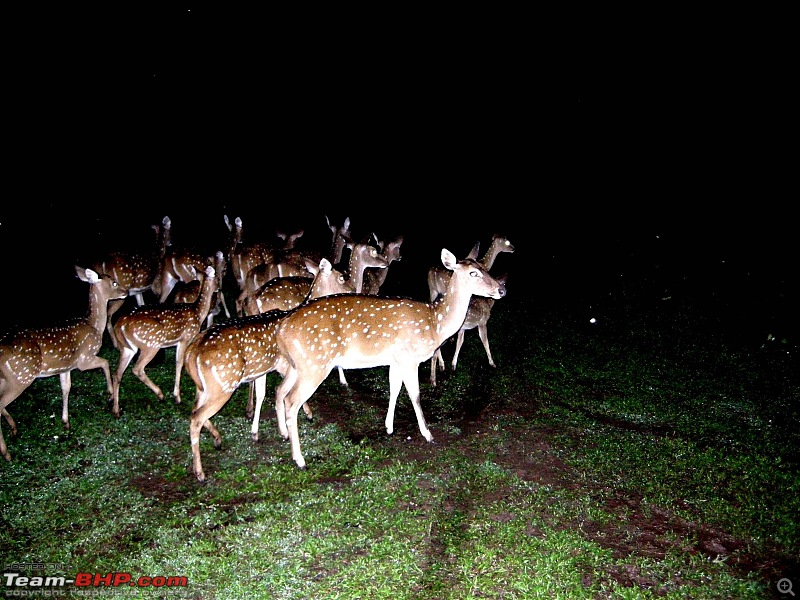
602	461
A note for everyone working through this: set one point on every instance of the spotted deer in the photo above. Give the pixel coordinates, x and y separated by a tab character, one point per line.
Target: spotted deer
33	353
188	292
374	278
241	350
438	277
136	272
478	313
148	329
357	331
480	308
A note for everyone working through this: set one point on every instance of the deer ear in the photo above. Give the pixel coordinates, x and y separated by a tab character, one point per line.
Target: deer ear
448	259
311	266
473	254
325	265
87	274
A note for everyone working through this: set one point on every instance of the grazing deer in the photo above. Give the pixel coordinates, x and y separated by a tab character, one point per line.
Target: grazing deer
375	277
28	354
241	350
135	272
478	313
148	329
437	284
356	331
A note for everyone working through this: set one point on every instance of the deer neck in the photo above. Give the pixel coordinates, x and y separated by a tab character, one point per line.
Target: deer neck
488	259
356	272
98	308
337	248
450	309
203	301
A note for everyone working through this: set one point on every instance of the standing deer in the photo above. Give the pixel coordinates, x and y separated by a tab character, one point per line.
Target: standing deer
136	272
438	277
32	353
480	312
241	350
148	329
356	331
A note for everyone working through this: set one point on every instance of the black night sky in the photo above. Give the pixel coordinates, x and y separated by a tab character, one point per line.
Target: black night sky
604	151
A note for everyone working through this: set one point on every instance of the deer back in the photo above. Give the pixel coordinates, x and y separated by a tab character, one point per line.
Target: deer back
358	331
165	325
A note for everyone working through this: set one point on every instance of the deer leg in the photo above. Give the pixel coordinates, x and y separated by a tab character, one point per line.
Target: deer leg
7	397
3	447
436	359
301	391
248	410
207	406
113	307
260	387
395	384
482	332
96	362
459	342
224	305
10	422
125	357
342	380
410	377
66	384
147	354
180	353
281	392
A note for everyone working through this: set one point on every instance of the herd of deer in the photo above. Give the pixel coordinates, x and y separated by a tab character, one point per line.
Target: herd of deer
296	315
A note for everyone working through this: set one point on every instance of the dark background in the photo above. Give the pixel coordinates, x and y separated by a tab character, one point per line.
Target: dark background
647	147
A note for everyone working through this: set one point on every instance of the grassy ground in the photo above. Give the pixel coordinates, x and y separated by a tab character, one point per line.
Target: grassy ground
643	455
